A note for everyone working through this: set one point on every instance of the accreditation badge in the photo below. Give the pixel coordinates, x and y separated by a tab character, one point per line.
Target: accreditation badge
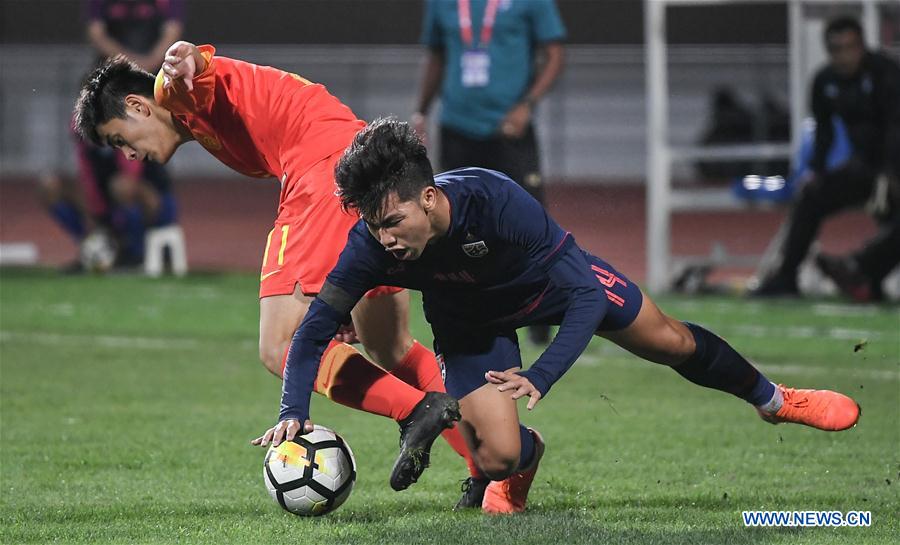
476	68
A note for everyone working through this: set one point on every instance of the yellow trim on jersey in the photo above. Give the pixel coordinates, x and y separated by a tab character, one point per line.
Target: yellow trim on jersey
301	79
158	83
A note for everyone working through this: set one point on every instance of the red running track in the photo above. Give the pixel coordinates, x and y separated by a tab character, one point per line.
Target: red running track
226	222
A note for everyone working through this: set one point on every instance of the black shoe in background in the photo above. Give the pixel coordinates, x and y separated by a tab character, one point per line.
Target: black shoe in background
773	286
852	282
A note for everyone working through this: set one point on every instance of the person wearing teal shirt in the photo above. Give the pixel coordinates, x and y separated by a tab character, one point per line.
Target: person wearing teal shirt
491	61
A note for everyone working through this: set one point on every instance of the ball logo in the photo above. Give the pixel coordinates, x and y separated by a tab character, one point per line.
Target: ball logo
292	454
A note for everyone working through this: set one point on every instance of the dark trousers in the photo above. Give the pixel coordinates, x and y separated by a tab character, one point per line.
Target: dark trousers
847	187
881	253
516	157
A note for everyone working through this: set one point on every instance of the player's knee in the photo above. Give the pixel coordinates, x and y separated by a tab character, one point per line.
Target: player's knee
389	351
497	463
271	355
683	343
675	344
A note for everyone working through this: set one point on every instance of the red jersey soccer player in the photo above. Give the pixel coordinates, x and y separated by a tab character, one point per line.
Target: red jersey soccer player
265	122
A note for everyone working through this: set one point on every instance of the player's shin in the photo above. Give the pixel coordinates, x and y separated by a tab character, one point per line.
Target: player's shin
715	364
420	369
347	377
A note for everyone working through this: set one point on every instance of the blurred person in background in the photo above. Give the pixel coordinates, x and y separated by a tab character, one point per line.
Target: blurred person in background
491	61
141	30
117	199
862	89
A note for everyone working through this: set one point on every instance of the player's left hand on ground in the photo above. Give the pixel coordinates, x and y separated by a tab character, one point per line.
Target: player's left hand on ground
516	121
519	385
283	431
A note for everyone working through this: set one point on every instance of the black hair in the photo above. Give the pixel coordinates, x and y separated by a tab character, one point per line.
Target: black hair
842	24
103	94
385	157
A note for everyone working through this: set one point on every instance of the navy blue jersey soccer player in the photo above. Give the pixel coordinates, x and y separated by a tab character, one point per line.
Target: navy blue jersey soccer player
488	259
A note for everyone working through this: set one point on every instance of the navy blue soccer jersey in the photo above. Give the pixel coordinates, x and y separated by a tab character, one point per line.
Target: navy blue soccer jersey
500	258
492	262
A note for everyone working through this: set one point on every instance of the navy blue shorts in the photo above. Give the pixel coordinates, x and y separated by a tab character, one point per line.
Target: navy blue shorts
465	354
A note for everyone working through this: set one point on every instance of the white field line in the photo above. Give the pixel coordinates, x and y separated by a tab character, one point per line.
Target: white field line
843	311
104	341
157	343
808	332
592	360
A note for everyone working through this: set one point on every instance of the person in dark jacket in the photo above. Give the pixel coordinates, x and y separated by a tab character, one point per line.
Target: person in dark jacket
862	89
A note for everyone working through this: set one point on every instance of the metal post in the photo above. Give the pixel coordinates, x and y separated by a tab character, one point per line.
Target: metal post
658	163
871	24
797	85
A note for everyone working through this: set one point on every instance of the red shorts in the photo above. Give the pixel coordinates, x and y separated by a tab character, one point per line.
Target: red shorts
308	236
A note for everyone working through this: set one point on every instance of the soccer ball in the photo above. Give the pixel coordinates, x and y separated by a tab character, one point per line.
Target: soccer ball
311	475
97	252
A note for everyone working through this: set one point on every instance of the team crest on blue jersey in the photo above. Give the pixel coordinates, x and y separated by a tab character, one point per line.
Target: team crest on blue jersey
475	249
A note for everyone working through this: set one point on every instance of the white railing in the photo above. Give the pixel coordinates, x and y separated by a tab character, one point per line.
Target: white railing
666	154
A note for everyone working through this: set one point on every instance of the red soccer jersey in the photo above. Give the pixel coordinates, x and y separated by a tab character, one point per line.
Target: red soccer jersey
259	120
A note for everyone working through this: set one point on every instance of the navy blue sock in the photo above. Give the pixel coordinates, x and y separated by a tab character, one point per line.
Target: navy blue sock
526	452
715	364
69	218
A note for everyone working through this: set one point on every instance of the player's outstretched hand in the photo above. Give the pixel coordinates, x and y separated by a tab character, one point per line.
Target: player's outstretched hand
283	431
519	385
180	62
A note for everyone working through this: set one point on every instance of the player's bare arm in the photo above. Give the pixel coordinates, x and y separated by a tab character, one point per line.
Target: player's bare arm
550	66
432	76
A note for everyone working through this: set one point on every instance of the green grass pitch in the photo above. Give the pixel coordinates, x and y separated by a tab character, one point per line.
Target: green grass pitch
126	407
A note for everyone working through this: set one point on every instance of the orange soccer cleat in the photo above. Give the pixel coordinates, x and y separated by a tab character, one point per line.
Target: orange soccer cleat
822	409
509	495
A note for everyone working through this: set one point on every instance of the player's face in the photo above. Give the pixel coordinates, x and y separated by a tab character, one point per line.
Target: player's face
404	227
141	134
846	51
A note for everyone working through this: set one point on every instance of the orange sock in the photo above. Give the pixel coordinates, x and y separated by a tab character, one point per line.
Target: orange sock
420	368
347	377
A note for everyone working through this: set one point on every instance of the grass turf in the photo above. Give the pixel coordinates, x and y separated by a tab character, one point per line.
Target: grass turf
126	406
